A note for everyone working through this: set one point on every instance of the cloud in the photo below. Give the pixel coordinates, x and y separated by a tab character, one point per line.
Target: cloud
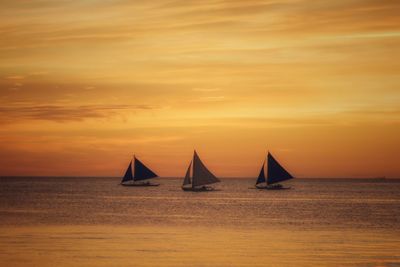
63	113
382	114
15	77
210	99
38	73
206	89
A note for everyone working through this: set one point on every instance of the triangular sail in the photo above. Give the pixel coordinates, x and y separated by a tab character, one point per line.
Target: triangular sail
261	176
142	172
128	174
187	179
276	173
201	175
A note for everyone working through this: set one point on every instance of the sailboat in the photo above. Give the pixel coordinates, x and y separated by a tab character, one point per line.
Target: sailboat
139	176
201	176
275	174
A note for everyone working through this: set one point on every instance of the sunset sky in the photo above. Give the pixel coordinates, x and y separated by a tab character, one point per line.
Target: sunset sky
85	84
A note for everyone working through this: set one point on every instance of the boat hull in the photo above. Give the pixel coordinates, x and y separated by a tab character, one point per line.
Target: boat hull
276	187
197	189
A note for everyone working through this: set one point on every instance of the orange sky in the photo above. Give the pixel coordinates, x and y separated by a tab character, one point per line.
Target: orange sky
85	84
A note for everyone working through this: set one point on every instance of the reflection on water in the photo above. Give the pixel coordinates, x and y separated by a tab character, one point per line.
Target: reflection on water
93	221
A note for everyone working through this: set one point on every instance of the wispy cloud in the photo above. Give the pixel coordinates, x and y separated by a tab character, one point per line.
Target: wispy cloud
206	89
65	113
15	77
209	99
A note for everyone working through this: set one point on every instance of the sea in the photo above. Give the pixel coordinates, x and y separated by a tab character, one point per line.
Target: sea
86	221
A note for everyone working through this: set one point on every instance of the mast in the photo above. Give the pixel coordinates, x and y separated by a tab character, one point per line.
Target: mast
276	173
201	175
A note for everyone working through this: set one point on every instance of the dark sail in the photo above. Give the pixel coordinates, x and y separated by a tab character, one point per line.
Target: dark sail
276	173
128	174
142	172
187	179
201	175
261	176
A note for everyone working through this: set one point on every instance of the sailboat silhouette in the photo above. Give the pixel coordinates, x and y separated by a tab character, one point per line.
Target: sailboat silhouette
275	174
139	176
201	176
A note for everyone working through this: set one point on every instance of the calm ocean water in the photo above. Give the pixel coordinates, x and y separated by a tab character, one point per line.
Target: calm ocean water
96	222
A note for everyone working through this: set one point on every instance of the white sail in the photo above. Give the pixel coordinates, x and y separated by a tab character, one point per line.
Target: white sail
201	175
187	176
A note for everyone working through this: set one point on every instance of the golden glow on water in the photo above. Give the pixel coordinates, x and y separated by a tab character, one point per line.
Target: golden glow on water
95	222
194	246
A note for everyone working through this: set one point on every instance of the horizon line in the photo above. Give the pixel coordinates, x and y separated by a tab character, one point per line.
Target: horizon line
174	177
